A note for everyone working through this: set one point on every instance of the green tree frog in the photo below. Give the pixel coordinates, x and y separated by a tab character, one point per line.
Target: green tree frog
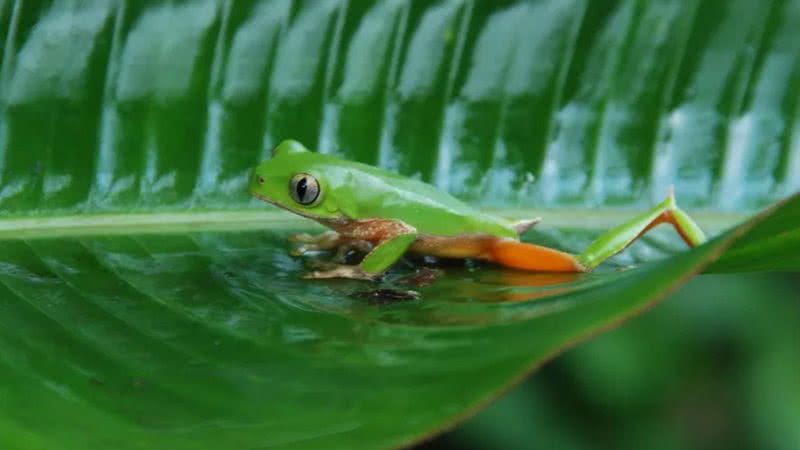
387	215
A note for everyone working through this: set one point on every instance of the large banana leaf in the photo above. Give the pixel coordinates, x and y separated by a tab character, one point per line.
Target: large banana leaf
147	302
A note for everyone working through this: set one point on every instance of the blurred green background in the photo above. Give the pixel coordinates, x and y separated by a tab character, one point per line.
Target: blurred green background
715	367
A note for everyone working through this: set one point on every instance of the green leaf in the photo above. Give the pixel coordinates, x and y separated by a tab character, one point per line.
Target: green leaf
117	105
209	339
147	302
771	246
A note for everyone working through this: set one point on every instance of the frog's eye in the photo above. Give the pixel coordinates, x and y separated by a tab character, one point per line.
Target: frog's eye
304	189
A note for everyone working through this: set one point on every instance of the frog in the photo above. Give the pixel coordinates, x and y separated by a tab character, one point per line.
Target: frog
386	215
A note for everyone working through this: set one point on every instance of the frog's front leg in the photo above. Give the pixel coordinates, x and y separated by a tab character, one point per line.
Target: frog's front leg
327	240
390	239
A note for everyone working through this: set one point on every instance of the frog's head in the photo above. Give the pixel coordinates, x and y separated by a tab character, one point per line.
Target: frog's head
292	180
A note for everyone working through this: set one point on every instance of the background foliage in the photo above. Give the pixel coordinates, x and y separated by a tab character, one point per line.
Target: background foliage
121	104
715	367
180	324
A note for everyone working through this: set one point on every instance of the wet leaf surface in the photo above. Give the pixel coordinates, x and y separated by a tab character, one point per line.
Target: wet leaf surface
147	303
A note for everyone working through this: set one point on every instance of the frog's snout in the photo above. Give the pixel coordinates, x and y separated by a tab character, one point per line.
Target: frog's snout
256	181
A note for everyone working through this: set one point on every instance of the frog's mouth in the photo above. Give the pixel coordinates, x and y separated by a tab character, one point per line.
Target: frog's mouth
274	203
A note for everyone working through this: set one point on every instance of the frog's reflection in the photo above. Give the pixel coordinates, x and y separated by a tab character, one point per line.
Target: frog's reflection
498	286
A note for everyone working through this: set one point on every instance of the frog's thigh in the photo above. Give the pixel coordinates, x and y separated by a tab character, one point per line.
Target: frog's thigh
475	246
503	251
532	257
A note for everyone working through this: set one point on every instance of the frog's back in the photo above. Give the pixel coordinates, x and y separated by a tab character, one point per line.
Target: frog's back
364	192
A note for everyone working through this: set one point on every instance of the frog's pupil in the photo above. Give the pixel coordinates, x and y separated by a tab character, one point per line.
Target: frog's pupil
301	189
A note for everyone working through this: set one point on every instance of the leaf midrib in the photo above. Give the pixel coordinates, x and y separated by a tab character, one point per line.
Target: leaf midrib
43	227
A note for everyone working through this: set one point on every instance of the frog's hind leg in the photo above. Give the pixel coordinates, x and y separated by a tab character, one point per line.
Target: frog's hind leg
620	237
521	255
504	251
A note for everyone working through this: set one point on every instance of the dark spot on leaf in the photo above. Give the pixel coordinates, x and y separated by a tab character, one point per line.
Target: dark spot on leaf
422	277
386	296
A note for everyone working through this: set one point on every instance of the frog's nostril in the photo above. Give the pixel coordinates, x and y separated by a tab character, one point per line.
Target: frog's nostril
260	179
